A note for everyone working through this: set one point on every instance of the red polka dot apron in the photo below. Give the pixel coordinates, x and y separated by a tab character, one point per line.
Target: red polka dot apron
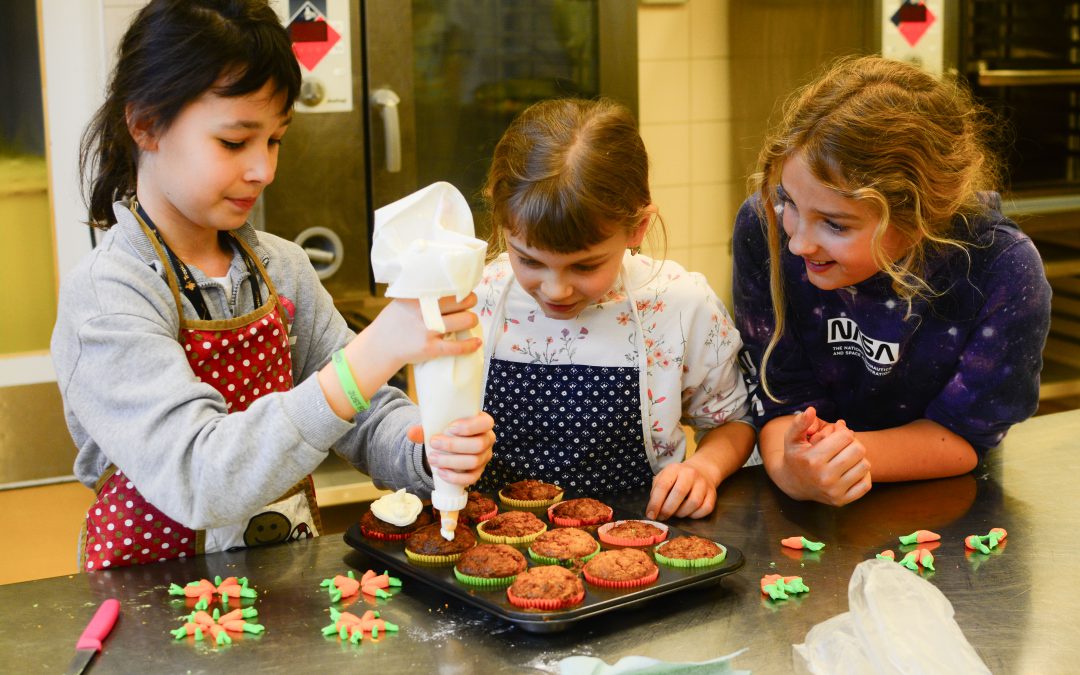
243	358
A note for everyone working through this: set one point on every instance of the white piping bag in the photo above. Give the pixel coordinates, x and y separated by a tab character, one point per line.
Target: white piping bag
424	247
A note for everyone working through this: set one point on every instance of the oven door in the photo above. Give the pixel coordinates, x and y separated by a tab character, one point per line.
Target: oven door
1022	59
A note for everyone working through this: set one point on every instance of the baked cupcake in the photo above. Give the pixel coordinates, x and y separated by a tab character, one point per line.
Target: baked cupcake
478	509
530	494
427	545
632	533
563	545
548	587
394	517
490	565
690	551
621	568
511	527
579	512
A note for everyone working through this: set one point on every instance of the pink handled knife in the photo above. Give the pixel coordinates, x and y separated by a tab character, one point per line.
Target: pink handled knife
90	641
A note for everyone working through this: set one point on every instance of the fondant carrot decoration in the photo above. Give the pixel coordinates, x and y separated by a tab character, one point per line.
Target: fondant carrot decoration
995	536
245	613
373	584
232	587
911	560
974	542
200	623
919	537
925	558
201	589
985	542
778	587
887	555
351	627
802	542
341	586
772	585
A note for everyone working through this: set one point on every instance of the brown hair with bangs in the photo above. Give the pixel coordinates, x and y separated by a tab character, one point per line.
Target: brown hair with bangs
912	145
567	174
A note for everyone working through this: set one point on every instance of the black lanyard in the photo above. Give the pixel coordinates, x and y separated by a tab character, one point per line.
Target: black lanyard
187	283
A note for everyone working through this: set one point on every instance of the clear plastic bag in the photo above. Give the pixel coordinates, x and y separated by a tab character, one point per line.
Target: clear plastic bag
897	623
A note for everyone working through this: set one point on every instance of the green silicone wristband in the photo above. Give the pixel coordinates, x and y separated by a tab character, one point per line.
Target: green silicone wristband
348	384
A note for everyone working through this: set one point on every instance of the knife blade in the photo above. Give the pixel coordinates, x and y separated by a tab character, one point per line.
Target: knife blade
90	641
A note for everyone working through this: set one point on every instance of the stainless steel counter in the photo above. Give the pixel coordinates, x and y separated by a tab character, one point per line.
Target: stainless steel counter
1016	606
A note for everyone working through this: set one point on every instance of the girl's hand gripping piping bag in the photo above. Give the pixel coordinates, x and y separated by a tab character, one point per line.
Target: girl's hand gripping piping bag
424	247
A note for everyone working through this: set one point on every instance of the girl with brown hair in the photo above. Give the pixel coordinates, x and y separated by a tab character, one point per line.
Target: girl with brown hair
595	354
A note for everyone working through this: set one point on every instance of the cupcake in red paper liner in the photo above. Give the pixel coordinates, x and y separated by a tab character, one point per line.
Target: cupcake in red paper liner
632	533
530	494
490	565
563	546
548	587
579	513
478	509
690	551
427	545
394	517
621	568
511	527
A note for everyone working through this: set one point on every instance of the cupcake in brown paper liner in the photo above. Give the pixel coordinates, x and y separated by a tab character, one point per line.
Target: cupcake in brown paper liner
563	546
490	565
428	547
373	528
690	551
632	533
479	508
511	527
579	512
621	568
548	587
530	494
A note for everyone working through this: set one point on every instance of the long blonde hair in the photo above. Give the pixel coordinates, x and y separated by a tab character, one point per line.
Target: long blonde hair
567	174
913	146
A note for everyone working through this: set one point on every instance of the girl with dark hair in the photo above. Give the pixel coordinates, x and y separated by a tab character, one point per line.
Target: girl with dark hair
180	337
597	355
894	319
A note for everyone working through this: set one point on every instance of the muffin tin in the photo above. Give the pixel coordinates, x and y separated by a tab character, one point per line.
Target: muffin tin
597	600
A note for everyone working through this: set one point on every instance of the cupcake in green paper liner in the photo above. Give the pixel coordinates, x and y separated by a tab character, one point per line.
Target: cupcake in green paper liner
690	551
563	546
428	547
490	565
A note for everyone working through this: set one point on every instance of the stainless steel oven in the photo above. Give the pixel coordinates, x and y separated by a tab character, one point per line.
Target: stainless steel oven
398	94
1022	59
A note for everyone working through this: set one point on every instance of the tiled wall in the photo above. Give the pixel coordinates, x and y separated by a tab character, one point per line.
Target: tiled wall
686	121
711	76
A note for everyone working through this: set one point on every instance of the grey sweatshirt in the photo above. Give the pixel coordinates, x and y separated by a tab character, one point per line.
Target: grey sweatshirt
131	399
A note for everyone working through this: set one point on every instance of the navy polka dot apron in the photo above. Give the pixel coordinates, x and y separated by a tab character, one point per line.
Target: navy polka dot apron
577	426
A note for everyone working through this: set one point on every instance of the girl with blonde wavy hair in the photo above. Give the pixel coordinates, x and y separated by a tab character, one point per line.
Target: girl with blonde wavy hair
893	318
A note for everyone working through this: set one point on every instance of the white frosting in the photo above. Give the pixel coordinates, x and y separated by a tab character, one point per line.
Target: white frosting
399	508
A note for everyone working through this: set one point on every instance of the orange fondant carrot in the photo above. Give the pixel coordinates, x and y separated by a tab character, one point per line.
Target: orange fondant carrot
919	537
802	542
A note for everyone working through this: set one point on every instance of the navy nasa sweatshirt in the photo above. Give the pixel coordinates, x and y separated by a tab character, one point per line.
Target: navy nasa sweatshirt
968	359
